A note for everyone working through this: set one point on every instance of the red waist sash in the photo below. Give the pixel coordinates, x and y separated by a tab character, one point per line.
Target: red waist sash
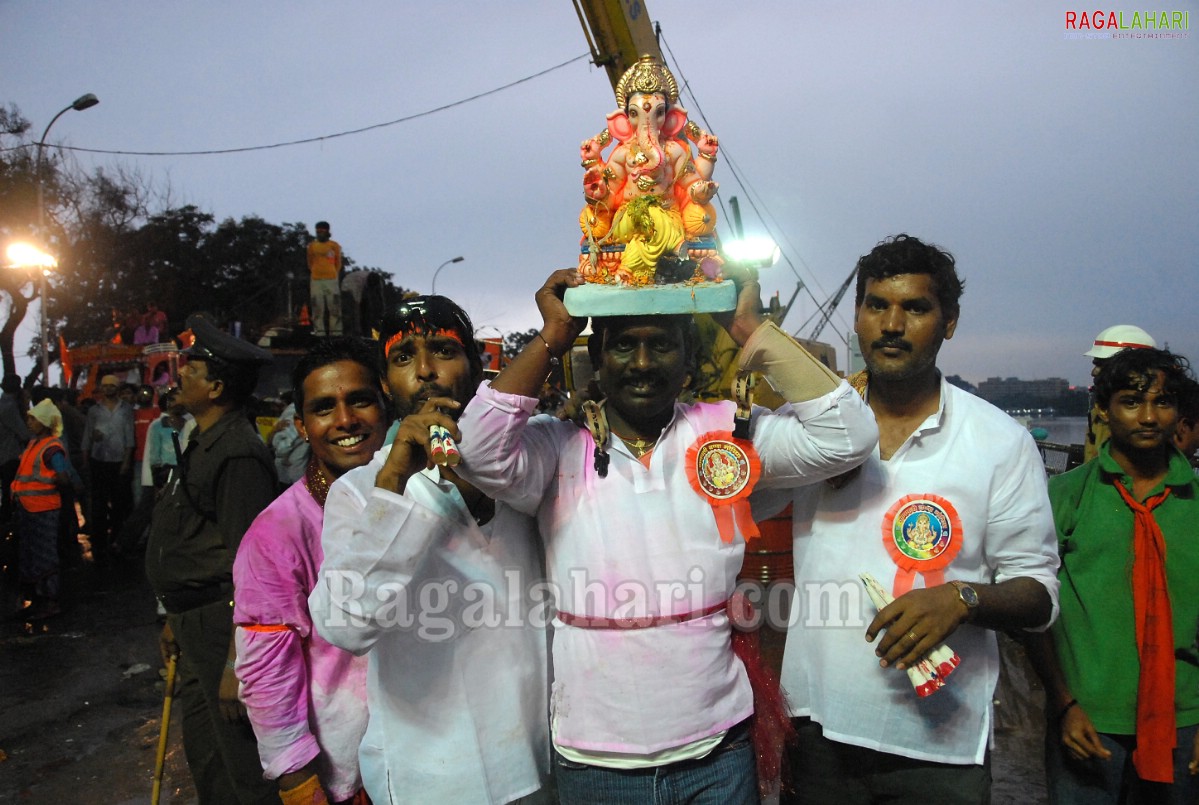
643	622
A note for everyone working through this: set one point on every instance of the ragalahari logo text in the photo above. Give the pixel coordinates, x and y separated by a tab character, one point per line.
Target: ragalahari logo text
1150	24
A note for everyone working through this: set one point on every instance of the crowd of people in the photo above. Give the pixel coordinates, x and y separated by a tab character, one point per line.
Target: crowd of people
115	452
455	599
140	327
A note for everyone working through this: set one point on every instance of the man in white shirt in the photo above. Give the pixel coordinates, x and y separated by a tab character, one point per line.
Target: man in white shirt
950	516
436	582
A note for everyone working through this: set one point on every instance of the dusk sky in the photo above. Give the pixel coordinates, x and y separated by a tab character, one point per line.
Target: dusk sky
1063	173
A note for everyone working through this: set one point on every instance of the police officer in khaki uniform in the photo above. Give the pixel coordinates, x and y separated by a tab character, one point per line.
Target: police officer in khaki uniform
223	480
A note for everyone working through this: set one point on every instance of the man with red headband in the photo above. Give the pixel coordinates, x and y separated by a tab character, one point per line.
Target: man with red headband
428	577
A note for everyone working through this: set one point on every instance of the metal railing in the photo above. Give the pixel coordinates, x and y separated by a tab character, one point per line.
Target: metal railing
1058	458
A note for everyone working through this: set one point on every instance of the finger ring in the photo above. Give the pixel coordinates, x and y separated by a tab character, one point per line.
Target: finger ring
914	638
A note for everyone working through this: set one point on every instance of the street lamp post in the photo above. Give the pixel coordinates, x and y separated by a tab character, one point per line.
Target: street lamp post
443	265
79	104
43	325
25	255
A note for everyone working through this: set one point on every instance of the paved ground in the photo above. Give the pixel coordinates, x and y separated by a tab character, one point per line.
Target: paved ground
80	716
1018	763
81	699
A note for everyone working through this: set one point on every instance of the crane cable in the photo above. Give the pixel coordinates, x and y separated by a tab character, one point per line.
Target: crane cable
768	220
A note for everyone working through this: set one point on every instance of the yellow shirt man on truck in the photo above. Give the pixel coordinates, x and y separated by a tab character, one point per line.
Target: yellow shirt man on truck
324	284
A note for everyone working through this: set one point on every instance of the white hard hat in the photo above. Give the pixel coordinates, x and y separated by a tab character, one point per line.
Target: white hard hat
1120	337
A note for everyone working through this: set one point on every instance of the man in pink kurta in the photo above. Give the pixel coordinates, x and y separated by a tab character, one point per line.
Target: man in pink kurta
305	697
648	693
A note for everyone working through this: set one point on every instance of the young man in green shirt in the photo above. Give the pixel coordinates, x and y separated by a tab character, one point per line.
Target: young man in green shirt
1120	664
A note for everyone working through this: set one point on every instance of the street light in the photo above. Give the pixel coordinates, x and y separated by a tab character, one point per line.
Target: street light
753	253
24	255
443	265
79	104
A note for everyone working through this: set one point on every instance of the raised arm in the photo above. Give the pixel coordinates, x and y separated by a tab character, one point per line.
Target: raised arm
826	429
559	329
500	455
375	541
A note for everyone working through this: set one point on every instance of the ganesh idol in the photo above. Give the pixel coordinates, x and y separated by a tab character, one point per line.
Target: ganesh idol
652	195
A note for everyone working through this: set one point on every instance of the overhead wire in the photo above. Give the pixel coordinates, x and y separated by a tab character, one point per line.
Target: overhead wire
317	139
769	222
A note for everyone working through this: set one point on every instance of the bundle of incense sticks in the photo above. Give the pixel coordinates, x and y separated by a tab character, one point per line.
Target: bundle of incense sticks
442	449
929	674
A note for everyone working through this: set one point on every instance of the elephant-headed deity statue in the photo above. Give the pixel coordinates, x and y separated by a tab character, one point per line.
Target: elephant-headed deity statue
652	194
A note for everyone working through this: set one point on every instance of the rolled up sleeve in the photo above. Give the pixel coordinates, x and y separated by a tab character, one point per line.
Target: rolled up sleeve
502	454
1021	537
810	441
271	615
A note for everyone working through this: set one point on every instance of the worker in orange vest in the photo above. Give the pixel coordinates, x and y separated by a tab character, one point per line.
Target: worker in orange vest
43	471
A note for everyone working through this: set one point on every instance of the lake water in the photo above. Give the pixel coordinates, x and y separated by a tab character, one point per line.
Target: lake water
1063	429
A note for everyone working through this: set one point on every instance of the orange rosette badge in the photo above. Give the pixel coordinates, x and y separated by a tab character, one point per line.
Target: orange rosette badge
724	470
922	534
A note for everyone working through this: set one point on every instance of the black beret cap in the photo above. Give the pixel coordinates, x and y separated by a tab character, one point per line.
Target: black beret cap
213	343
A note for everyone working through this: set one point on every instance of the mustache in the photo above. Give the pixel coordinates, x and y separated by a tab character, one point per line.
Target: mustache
642	376
429	390
410	404
892	343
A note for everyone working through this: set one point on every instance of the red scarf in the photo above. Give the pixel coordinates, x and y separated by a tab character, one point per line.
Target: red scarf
1156	731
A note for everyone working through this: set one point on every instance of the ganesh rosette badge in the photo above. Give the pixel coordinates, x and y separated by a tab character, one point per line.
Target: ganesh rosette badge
724	470
922	534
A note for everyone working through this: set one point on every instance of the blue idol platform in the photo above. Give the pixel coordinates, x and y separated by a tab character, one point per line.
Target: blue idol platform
594	299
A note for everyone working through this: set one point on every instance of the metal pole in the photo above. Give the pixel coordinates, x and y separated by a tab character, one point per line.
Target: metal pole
443	265
37	169
41	233
79	104
45	346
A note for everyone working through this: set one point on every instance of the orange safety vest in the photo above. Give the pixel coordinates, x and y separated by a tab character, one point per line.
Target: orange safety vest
34	485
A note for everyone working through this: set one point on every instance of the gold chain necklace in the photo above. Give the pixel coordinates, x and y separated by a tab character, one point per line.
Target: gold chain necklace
316	482
639	447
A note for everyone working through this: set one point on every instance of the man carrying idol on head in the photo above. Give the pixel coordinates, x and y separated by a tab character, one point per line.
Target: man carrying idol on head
644	512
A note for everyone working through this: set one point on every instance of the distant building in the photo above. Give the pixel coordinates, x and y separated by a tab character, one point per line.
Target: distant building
962	383
1005	391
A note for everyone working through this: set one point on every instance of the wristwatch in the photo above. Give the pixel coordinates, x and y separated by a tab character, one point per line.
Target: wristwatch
969	597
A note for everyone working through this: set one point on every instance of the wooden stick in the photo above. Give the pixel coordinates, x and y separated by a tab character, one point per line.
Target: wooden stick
160	760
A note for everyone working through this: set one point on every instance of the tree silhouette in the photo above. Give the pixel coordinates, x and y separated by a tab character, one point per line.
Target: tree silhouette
120	245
